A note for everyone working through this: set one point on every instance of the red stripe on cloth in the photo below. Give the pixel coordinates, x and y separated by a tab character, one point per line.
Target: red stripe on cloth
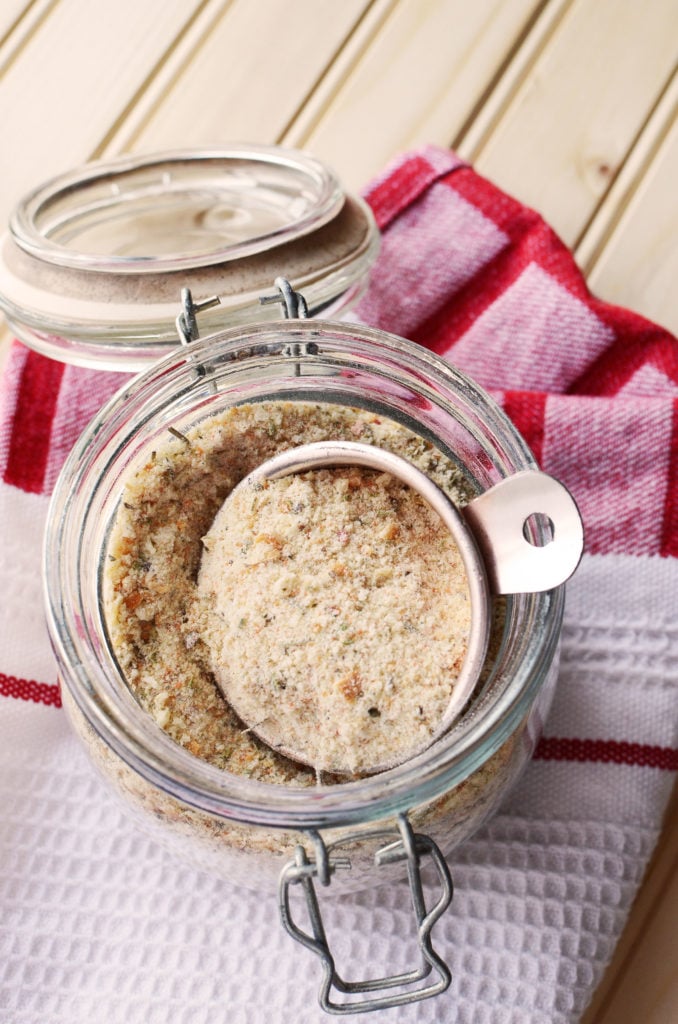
527	410
669	541
400	189
638	343
521	223
644	755
455	317
27	689
531	241
31	430
549	748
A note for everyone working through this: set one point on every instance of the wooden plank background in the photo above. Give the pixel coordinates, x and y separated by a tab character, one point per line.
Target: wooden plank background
568	104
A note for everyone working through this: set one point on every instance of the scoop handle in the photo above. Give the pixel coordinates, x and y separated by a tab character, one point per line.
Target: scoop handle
519	555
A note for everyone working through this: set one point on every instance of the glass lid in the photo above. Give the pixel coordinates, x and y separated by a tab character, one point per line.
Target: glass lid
94	262
176	210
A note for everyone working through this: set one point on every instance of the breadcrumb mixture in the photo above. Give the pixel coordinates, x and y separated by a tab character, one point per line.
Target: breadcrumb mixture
337	613
156	617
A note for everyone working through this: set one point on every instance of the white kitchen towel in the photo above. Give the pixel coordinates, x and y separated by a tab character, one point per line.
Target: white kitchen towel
98	923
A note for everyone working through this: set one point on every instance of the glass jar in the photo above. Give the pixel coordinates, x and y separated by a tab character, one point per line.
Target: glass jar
262	835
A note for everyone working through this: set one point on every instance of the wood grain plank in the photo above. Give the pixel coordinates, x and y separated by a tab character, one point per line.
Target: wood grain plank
246	81
166	78
76	75
11	13
641	983
630	250
469	141
565	135
417	81
17	31
637	164
338	72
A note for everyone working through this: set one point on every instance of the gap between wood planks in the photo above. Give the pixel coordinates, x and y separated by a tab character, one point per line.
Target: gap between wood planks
22	30
164	77
315	104
504	85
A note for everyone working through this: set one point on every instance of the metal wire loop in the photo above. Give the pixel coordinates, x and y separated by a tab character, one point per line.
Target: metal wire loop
294	304
405	845
187	321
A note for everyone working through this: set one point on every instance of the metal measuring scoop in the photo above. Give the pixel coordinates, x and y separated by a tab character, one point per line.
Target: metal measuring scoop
491	534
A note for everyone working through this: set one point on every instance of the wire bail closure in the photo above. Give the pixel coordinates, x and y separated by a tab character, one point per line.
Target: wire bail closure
405	845
294	306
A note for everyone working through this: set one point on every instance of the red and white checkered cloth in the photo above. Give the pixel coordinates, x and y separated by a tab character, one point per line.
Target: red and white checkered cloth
97	923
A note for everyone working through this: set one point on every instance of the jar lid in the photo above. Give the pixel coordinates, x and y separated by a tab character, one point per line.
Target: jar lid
92	267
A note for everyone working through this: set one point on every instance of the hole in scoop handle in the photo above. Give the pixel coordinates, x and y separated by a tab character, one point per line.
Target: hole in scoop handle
497	519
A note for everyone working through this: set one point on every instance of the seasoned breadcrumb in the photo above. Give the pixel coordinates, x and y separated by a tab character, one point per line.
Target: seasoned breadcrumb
156	617
337	613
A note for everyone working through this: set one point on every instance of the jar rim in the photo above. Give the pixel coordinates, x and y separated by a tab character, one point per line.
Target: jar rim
136	738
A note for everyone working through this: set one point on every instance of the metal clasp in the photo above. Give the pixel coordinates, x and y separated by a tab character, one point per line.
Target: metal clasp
295	307
405	845
187	321
294	304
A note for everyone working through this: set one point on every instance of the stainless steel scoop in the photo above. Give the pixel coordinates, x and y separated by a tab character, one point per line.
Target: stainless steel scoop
493	535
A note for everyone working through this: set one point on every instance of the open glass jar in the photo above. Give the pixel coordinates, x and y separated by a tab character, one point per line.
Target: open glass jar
348	834
248	831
